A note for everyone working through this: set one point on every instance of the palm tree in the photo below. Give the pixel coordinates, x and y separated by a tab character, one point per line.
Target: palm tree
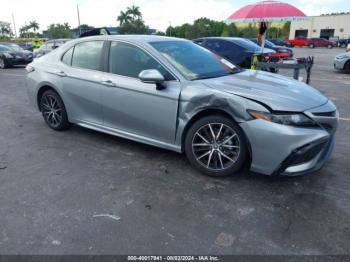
124	17
33	25
134	11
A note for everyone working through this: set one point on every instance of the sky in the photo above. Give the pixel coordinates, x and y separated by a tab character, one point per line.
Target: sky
158	14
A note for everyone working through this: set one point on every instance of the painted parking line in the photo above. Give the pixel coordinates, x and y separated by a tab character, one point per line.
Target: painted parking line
344	118
7	74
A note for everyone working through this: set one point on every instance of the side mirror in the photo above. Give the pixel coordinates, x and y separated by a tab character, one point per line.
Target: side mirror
55	46
151	76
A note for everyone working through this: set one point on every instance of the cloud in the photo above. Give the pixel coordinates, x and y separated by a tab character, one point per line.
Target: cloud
318	7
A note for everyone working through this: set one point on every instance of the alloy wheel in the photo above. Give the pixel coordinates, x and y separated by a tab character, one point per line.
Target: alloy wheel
216	146
52	110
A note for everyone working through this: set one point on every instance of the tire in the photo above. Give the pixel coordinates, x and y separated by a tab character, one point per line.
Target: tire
2	63
343	45
330	46
54	111
220	153
347	68
312	45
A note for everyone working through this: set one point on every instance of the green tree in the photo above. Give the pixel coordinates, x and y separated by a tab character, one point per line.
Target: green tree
135	12
203	27
131	21
5	32
34	26
55	31
124	17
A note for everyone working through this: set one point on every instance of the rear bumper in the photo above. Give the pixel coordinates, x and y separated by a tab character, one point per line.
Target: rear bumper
339	63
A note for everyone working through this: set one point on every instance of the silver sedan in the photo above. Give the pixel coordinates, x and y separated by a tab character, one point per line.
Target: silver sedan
174	94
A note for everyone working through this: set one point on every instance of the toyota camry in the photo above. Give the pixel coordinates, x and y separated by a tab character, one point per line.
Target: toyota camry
174	94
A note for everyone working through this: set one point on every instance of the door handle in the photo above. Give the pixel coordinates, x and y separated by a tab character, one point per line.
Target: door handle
108	83
60	73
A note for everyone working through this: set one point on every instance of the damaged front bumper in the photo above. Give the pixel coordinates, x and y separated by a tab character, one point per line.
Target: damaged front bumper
289	150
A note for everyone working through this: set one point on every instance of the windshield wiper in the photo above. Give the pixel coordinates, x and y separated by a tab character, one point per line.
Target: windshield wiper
216	76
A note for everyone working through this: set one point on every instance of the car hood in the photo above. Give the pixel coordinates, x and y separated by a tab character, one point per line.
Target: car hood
277	92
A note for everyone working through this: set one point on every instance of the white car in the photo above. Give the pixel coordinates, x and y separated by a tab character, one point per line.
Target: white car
342	62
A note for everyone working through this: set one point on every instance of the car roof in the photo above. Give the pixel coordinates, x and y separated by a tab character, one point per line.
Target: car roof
56	40
223	38
133	38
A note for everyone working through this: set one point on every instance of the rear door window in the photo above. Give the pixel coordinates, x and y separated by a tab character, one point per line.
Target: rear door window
88	55
67	57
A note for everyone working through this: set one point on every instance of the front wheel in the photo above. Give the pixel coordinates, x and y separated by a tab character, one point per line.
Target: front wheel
311	45
54	111
347	67
216	146
330	46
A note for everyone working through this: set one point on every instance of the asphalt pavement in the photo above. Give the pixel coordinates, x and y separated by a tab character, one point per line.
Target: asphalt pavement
83	192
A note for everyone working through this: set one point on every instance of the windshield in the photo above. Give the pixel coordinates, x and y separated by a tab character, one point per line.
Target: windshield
4	48
15	47
194	61
246	44
269	44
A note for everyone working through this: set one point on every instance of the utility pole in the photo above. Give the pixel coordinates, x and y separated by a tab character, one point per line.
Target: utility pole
14	25
78	19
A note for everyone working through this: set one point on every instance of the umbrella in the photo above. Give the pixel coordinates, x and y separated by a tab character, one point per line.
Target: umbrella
268	11
264	12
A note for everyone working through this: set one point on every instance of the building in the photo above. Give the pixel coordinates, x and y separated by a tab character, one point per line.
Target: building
324	26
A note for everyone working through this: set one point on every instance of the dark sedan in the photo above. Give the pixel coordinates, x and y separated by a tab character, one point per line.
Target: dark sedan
281	51
12	54
238	51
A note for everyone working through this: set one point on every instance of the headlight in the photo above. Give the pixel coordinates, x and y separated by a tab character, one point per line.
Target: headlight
283	119
7	55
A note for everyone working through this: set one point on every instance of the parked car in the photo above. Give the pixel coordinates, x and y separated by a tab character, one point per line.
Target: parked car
238	51
311	42
12	54
174	94
343	42
48	46
26	46
342	62
320	42
282	52
280	42
298	41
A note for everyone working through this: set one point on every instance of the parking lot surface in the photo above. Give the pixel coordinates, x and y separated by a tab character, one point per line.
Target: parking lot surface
83	192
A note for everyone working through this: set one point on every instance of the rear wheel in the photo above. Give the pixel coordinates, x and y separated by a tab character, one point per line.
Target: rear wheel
54	111
2	63
216	146
312	45
330	46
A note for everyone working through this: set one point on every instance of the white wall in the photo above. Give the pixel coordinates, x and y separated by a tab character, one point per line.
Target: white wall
316	23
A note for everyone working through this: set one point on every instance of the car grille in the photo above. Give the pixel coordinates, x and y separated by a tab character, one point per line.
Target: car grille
307	153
